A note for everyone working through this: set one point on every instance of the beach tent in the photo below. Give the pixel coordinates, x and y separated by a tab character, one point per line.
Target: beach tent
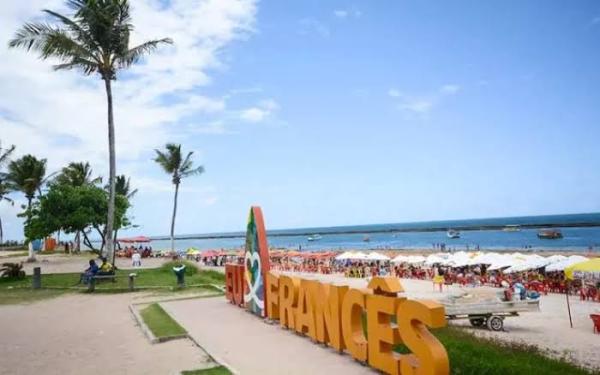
138	239
588	270
358	256
531	263
376	256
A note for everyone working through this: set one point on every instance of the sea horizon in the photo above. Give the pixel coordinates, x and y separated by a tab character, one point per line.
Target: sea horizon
580	232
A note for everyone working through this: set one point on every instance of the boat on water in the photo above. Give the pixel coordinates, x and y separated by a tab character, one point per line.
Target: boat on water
366	239
550	234
314	237
451	233
512	228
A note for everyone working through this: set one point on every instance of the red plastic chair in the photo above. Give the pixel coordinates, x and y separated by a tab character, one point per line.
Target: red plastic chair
596	319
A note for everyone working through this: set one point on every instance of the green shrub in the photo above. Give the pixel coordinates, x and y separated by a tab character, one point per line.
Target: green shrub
12	270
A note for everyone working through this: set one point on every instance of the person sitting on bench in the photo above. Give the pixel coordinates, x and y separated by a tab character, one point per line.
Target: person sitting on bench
90	272
106	268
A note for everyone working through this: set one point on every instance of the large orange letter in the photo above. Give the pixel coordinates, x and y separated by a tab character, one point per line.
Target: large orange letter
305	312
328	306
352	328
429	355
382	335
272	293
288	300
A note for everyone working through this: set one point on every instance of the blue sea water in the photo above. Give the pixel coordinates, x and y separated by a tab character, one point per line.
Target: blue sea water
422	235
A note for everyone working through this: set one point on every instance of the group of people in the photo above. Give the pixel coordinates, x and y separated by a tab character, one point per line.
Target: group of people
106	268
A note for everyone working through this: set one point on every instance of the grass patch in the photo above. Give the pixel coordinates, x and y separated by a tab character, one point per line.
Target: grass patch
163	279
219	370
472	355
160	323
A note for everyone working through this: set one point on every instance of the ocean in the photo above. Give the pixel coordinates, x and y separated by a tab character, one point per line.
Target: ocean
580	232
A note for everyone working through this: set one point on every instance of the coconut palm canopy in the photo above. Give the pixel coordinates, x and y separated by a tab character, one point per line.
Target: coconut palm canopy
94	39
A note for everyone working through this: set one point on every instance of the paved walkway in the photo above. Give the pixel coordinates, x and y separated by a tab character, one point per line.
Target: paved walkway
249	346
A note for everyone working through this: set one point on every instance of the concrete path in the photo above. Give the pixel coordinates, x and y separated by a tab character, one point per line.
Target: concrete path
250	346
87	334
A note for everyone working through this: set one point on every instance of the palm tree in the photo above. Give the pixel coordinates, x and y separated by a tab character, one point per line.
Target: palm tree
77	174
27	175
94	40
172	162
4	187
123	187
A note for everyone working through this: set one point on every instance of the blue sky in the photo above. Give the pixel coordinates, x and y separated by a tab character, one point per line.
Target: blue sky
335	113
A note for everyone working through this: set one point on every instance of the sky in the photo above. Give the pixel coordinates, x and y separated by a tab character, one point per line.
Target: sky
329	112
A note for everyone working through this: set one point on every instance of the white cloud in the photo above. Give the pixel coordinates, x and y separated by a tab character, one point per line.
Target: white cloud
261	112
345	13
422	104
340	13
394	93
450	89
61	116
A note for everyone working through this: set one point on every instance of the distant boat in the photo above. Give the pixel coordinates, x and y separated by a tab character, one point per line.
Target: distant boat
314	237
366	239
550	234
512	228
451	233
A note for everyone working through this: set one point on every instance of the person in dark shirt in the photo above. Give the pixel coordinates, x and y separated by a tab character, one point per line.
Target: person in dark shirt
91	271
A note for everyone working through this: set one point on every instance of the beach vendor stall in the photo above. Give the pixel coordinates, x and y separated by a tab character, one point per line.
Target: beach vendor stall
131	244
589	274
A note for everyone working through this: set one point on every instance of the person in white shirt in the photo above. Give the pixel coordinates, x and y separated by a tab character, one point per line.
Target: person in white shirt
136	259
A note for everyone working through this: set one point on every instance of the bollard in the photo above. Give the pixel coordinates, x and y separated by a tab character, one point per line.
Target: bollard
37	278
180	273
132	281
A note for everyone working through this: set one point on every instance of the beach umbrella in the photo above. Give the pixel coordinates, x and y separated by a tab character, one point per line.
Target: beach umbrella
560	266
587	270
358	256
434	259
376	256
344	256
400	259
414	259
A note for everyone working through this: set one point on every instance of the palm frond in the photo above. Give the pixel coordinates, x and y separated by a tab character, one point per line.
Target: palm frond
134	54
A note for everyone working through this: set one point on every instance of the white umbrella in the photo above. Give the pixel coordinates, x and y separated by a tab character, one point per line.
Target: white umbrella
560	266
414	259
358	256
434	259
376	256
400	259
344	256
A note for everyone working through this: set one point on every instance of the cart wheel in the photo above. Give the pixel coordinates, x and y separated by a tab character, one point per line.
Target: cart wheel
477	322
495	323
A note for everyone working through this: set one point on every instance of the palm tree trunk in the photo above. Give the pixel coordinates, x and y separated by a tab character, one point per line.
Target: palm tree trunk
173	219
31	257
1	233
109	251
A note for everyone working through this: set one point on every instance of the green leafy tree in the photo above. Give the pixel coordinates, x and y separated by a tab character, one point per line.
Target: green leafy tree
75	209
4	187
174	164
27	175
94	40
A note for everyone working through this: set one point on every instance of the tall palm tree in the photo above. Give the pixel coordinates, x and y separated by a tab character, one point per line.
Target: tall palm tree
77	174
4	187
27	175
94	40
173	163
